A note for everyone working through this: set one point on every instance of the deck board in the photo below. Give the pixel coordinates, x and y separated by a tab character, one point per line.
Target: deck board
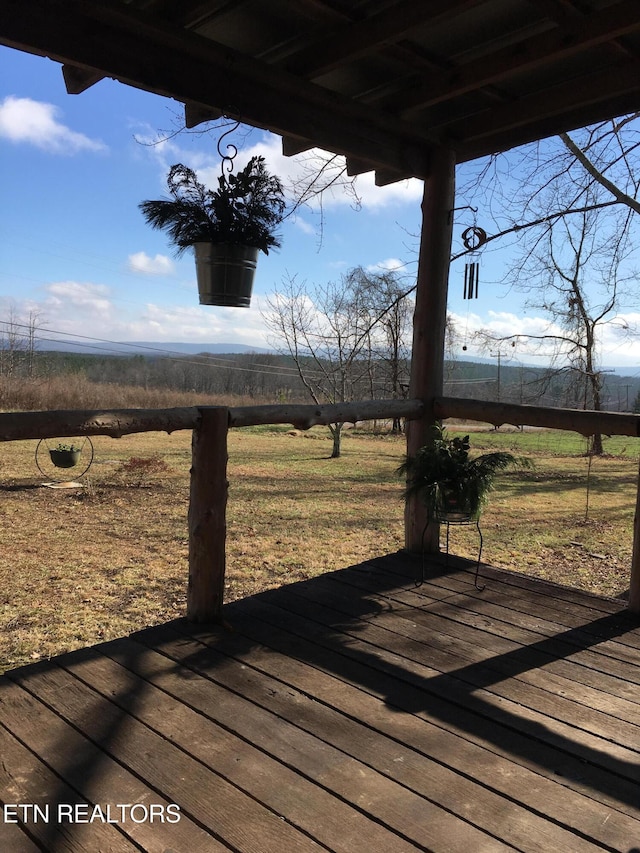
353	712
497	637
412	616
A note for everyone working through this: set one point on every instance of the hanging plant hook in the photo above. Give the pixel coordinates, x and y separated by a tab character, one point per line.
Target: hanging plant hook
226	165
462	207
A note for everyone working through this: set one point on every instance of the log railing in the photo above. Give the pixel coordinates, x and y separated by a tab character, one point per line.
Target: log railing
585	422
15	426
208	493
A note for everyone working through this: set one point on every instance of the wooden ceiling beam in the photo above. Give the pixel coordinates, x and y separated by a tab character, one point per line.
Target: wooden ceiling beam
358	167
334	47
78	80
578	34
552	126
195	114
292	145
385	177
598	97
105	38
559	11
143	52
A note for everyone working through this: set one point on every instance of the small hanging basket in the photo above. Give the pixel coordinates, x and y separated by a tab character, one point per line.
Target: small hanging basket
65	458
70	457
225	273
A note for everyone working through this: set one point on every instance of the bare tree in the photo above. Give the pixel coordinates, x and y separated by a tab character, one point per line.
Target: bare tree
390	310
18	342
574	273
605	155
327	333
573	216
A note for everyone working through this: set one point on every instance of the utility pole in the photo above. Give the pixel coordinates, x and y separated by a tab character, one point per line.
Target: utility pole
497	355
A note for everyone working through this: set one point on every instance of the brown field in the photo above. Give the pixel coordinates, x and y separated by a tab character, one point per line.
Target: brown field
85	564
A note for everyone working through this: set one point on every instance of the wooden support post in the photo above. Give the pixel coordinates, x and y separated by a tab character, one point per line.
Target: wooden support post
207	516
429	324
634	581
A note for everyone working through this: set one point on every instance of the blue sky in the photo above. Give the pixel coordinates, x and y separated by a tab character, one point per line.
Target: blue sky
77	252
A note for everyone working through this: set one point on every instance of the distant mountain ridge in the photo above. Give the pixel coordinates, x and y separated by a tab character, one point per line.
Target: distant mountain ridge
179	347
150	347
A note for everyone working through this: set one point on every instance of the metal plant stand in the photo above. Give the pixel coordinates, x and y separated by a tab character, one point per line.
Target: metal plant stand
455	519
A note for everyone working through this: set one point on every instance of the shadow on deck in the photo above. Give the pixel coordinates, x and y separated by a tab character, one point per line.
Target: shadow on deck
351	712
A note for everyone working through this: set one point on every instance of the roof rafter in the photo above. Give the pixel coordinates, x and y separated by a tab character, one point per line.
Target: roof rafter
575	36
139	50
335	46
548	109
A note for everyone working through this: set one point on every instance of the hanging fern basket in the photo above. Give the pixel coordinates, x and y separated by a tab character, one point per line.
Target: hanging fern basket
225	273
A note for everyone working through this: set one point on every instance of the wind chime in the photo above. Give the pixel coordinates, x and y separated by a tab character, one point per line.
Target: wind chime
473	238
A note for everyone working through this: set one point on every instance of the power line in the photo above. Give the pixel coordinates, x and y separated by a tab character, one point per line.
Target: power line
171	355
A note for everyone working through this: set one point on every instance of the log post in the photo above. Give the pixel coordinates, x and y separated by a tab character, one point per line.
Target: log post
429	324
207	516
634	581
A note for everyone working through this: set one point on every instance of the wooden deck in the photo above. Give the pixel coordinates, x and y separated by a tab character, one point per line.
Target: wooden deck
353	712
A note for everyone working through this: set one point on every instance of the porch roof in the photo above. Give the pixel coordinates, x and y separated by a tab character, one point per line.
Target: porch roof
383	82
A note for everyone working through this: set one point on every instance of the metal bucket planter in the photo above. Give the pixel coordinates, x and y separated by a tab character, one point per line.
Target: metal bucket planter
65	458
454	508
225	273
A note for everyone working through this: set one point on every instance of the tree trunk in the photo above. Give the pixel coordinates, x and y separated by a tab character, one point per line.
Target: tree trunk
336	434
597	448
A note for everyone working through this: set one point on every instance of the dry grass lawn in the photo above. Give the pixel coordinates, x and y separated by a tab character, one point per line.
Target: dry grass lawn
85	564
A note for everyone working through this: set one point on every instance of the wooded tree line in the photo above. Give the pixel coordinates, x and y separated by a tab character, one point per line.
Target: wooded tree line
270	377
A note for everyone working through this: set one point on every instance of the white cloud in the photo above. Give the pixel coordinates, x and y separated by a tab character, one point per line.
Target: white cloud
293	171
618	340
85	310
304	226
346	192
74	308
77	307
195	323
495	326
79	311
79	294
140	262
388	265
23	120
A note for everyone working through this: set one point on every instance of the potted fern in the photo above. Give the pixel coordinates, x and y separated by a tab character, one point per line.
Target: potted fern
453	485
227	227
